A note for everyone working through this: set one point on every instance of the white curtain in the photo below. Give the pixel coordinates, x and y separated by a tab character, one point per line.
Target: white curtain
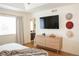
19	30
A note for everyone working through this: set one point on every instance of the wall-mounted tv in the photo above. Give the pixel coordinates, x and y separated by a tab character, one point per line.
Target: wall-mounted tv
49	22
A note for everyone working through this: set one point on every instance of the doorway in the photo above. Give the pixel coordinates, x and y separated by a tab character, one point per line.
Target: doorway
32	30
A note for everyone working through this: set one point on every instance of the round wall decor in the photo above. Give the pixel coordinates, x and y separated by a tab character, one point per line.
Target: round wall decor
69	25
69	16
69	34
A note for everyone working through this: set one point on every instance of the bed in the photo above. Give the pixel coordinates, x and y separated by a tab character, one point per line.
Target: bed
15	49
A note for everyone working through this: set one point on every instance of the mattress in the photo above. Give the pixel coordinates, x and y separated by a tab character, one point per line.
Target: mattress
12	46
14	49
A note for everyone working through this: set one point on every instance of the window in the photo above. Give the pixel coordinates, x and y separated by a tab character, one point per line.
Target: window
7	25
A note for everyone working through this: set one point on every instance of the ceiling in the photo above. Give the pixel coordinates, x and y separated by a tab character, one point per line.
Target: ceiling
30	7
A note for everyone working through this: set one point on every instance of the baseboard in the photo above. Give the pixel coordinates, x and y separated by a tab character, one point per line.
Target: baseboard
70	54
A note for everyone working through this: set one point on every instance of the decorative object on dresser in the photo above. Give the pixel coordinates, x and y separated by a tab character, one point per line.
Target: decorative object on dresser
52	41
43	34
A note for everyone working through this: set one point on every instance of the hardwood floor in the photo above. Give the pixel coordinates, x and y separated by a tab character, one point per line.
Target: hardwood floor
50	53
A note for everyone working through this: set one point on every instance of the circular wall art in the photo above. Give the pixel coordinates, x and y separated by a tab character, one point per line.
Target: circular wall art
70	34
69	25
69	16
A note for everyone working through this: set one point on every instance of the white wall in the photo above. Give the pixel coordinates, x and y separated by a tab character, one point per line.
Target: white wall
69	44
26	26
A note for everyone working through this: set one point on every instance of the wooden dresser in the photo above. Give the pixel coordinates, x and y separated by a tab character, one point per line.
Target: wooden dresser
50	42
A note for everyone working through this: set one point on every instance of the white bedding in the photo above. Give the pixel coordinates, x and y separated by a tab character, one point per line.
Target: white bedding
12	46
20	50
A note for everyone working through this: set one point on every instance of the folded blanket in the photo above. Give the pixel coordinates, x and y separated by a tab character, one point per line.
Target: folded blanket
24	52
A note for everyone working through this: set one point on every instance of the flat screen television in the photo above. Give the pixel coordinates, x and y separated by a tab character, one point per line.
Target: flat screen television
49	22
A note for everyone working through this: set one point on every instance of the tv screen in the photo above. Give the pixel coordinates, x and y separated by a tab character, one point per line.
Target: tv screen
49	22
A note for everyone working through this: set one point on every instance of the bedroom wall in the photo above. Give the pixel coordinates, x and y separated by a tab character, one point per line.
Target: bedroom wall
26	26
70	45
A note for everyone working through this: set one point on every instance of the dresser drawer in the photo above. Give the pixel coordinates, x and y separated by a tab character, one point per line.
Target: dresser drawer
40	43
54	46
52	42
40	39
52	39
